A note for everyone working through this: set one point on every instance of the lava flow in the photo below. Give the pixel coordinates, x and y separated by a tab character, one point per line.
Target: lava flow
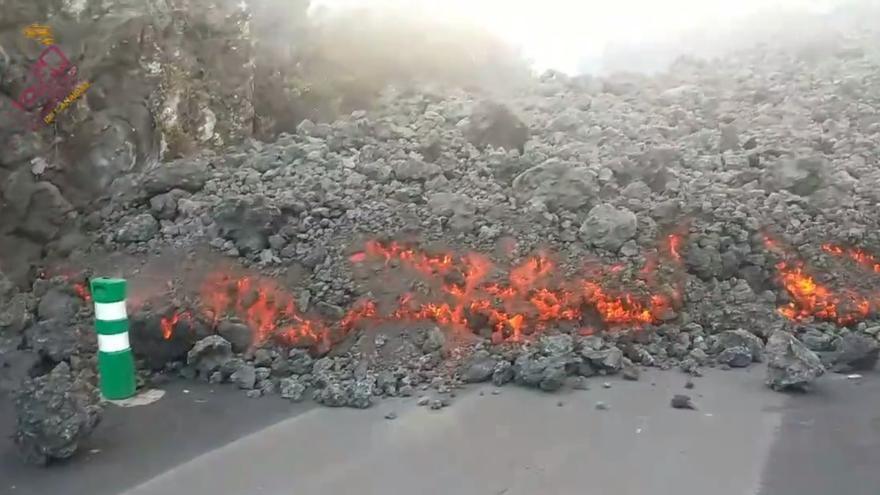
266	308
529	300
810	299
859	256
469	294
813	300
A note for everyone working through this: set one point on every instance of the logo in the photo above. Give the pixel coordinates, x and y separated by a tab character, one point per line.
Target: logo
52	84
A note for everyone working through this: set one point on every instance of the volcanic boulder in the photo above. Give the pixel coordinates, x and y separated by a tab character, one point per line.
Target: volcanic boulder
459	208
546	373
789	363
238	334
54	340
546	364
609	360
162	337
740	338
357	394
188	175
735	357
802	176
245	377
248	223
292	388
854	352
493	124
15	314
558	185
141	228
54	413
57	304
209	355
479	368
608	227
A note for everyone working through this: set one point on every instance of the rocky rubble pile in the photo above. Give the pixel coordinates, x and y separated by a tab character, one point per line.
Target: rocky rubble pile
756	160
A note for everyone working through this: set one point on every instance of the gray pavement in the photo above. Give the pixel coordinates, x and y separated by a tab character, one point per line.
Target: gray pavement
743	440
133	445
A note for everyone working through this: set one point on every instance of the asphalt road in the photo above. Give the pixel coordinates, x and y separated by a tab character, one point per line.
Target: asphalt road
742	440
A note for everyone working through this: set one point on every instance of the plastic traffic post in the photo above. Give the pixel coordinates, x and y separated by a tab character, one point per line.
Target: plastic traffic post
115	360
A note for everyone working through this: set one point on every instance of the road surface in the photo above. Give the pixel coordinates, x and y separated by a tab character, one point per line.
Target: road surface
743	440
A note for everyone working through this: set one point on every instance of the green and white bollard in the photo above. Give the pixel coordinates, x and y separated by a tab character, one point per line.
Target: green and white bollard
115	360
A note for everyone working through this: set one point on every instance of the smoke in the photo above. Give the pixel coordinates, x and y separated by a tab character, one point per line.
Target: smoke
596	35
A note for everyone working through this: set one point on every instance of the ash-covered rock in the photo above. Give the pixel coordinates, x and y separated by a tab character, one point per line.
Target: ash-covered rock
55	414
790	365
209	355
737	345
493	124
853	352
608	228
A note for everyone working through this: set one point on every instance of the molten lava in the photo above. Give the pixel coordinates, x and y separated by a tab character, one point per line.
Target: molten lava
168	323
809	299
528	301
859	256
266	308
464	292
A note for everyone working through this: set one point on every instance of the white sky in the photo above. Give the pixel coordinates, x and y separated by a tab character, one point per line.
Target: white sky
558	33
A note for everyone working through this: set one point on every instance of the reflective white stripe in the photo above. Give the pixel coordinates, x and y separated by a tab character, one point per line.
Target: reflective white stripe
113	343
110	311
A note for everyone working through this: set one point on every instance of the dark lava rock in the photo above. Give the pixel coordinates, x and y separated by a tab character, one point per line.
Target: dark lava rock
741	338
361	396
150	343
238	334
292	388
630	370
54	340
817	341
54	413
493	124
546	373
609	360
735	357
141	228
300	362
15	314
188	175
608	227
332	395
479	370
789	363
854	352
247	223
58	305
503	373
680	401
209	355
245	377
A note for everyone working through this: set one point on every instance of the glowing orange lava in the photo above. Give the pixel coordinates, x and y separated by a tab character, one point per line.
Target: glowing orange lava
859	256
267	309
82	290
809	299
463	292
168	323
529	300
